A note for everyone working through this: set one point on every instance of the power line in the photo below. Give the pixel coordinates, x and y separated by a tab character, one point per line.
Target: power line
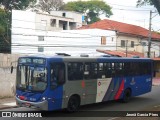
129	9
126	6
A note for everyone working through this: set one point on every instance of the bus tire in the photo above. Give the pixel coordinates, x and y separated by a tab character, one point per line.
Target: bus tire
126	95
73	104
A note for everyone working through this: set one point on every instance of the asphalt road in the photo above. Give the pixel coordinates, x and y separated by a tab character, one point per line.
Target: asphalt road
141	103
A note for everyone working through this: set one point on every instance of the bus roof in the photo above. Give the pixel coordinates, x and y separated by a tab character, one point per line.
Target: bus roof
58	58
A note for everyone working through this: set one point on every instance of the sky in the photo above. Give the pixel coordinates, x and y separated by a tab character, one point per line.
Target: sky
127	12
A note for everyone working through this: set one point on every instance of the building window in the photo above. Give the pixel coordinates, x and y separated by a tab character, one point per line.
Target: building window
64	27
122	43
103	40
40	38
53	22
132	44
40	49
112	39
144	44
64	14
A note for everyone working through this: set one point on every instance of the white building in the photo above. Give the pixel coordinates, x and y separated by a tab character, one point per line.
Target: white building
31	34
57	20
130	37
70	41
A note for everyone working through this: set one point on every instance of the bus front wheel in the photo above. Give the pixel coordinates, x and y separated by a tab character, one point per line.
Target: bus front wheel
73	104
126	95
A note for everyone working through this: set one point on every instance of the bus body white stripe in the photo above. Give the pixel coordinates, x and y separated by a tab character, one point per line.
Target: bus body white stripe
102	87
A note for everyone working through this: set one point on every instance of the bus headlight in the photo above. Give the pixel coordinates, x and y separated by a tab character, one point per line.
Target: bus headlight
44	98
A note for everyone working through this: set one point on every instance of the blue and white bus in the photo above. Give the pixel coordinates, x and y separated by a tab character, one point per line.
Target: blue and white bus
58	82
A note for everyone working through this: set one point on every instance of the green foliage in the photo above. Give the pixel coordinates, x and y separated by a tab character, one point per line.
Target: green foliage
3	22
5	32
48	5
156	3
16	4
92	9
2	30
143	2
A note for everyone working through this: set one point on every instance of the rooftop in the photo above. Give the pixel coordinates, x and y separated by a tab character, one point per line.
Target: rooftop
122	28
129	54
122	53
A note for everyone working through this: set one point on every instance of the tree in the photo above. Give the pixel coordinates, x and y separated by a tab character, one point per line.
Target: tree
143	2
91	9
15	4
49	5
5	20
5	23
156	3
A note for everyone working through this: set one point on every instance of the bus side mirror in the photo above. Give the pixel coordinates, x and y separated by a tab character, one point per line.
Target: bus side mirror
11	69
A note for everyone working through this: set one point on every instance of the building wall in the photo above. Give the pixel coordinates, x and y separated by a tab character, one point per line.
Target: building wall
7	79
74	15
137	45
23	22
43	22
155	48
69	41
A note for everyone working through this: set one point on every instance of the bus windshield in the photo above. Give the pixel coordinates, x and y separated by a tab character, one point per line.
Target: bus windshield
31	78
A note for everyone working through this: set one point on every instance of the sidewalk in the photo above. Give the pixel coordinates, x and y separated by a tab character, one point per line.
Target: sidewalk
6	103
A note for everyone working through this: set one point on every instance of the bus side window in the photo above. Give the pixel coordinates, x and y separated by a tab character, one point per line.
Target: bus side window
108	69
75	71
127	69
118	69
90	70
101	71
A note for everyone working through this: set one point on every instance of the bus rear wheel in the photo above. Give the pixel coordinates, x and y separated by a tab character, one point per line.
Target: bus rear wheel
73	104
126	96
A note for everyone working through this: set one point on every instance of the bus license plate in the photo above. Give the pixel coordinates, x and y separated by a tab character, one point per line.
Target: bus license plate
28	104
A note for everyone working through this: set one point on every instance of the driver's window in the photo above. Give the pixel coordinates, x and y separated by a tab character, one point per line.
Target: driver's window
57	74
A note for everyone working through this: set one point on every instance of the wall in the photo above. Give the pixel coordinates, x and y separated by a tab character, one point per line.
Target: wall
137	46
155	48
77	17
43	22
7	80
68	41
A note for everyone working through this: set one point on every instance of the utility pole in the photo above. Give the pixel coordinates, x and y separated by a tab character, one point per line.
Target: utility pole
159	51
126	47
149	35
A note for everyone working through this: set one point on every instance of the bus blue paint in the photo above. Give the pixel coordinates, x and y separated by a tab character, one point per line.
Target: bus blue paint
34	69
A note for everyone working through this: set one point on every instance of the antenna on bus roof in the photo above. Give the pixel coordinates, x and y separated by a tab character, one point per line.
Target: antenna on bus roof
63	54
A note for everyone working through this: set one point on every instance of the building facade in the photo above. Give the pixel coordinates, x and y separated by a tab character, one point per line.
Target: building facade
129	37
56	21
35	33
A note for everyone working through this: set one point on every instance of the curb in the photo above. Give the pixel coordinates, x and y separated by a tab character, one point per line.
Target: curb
8	107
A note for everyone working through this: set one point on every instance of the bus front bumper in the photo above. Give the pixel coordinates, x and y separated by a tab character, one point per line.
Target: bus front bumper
36	105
